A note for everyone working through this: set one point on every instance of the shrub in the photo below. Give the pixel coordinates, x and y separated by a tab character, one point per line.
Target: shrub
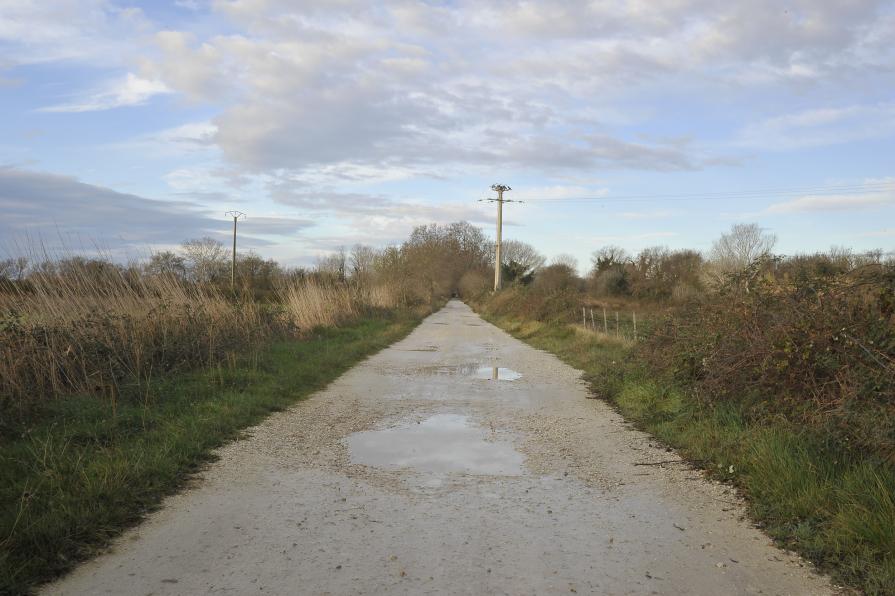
817	347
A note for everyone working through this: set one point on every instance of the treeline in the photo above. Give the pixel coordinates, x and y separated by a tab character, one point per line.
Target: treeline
664	275
429	264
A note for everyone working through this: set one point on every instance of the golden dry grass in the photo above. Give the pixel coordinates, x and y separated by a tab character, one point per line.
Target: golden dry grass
85	331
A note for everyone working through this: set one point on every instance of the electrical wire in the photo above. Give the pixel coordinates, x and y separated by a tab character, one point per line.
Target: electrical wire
862	189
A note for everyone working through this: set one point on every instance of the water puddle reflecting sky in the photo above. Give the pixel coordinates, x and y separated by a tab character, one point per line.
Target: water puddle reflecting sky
490	373
443	443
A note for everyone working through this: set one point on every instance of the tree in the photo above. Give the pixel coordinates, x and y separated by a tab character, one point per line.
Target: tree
256	273
362	260
334	265
566	260
521	257
608	257
166	263
206	258
740	247
556	277
13	269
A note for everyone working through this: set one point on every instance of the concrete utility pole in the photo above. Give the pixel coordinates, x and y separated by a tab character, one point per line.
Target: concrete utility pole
500	189
235	215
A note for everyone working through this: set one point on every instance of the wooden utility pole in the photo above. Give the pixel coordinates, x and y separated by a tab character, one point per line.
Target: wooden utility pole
235	215
500	189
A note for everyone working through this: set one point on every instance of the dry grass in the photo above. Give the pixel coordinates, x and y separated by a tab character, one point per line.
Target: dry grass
315	304
76	333
312	303
109	332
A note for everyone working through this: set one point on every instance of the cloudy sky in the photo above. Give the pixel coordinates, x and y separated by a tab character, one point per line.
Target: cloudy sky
136	125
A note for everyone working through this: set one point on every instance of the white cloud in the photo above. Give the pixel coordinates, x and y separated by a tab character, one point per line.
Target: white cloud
842	202
821	126
877	193
423	87
129	91
92	31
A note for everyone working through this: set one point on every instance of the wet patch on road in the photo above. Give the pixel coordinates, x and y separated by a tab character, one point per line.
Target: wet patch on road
444	443
474	370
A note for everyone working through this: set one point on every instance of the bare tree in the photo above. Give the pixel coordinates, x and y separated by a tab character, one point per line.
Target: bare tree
205	257
524	255
334	265
13	269
362	259
166	263
608	257
741	246
566	260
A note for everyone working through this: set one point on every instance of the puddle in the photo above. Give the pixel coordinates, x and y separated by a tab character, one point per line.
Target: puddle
497	373
441	444
490	373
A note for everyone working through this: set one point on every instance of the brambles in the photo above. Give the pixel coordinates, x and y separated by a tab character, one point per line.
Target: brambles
798	339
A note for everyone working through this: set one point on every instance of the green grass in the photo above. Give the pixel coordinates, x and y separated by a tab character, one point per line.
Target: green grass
84	469
834	505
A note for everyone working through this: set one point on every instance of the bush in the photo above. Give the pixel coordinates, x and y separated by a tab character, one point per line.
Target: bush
817	347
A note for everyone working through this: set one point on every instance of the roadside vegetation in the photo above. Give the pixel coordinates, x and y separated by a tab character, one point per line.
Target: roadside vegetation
118	381
776	374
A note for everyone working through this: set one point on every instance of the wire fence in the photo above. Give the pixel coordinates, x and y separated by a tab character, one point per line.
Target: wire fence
621	325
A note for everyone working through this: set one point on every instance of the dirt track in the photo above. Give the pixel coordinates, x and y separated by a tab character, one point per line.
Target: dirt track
417	472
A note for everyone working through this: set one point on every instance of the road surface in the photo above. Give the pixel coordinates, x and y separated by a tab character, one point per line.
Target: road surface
457	461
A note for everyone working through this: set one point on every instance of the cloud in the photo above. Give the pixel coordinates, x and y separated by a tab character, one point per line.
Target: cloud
821	126
353	217
842	202
62	212
88	31
130	91
417	88
878	193
421	88
274	225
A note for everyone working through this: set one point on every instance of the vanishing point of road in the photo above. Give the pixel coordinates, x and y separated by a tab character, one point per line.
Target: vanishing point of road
457	461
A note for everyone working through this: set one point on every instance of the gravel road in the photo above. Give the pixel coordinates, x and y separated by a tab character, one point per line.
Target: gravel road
457	461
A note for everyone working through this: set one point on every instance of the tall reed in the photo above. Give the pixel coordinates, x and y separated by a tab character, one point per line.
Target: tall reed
81	332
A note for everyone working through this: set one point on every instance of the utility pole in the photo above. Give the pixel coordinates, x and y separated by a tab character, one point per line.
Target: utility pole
235	215
500	189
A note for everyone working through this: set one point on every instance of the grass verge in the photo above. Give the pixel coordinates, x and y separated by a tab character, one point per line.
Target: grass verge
834	506
84	469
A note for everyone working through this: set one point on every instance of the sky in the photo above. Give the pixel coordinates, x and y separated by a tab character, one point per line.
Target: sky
132	126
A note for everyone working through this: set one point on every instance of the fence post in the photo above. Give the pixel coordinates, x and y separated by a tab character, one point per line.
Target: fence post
584	316
592	324
634	314
605	324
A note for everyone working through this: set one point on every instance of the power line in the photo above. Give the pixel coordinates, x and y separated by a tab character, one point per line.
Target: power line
864	189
